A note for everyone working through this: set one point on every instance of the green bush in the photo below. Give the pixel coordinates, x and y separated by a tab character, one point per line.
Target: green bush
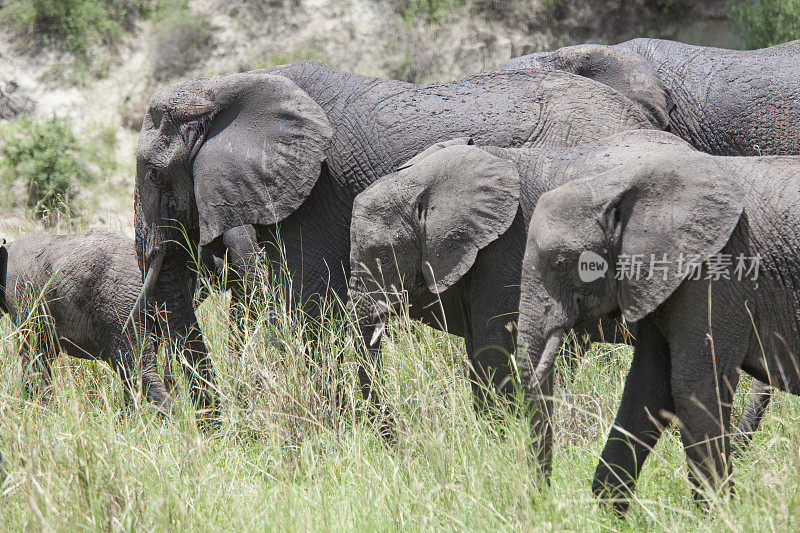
180	39
77	25
430	11
765	23
46	157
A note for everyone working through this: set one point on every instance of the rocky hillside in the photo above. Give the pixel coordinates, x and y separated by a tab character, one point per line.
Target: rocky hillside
101	91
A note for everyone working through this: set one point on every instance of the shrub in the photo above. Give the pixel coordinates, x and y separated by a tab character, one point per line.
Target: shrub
430	11
765	23
180	39
45	157
77	25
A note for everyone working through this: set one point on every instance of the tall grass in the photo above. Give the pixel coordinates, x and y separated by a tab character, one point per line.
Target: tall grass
289	456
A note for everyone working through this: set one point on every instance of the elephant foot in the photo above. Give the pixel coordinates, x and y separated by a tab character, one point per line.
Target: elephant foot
612	491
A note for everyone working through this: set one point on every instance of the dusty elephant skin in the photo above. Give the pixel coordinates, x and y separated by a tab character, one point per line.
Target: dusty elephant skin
693	333
724	102
450	227
76	291
288	148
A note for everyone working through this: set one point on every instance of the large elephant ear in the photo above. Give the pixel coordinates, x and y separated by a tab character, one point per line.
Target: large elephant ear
623	70
469	199
262	155
673	210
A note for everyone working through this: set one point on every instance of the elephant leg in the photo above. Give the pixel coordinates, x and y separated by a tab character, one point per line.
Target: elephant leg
37	371
757	403
187	344
176	317
38	348
703	406
647	397
199	373
240	315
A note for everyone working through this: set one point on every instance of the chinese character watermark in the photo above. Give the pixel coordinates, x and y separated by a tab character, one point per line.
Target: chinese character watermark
688	267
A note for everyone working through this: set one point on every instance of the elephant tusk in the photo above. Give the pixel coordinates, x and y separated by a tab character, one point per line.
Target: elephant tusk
376	335
147	286
549	355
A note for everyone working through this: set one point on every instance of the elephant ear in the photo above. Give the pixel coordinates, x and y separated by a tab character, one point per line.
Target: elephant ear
469	199
262	155
458	141
622	70
673	209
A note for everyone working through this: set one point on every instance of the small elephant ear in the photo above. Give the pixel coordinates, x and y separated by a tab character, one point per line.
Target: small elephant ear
669	210
262	155
458	141
470	199
622	70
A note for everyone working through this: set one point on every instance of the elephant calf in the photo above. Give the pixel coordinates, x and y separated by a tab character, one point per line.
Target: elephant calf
700	252
74	293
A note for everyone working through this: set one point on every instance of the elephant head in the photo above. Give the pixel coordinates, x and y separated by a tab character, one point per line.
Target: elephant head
222	152
623	70
420	228
669	207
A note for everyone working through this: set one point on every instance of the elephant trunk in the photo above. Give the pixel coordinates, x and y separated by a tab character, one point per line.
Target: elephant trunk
370	320
542	322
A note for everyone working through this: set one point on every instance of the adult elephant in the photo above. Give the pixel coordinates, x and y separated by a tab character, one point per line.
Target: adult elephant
449	231
715	291
288	148
724	102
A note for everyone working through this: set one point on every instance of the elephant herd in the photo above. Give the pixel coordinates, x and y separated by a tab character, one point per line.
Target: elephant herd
649	181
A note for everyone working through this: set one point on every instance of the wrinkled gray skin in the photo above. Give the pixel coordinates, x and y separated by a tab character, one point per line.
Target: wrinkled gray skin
287	149
84	286
724	102
450	228
677	201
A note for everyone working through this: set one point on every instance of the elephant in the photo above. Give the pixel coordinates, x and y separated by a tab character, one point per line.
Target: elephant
73	293
445	235
718	292
286	149
724	102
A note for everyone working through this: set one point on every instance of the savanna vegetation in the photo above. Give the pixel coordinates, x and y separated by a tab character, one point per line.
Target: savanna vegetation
293	450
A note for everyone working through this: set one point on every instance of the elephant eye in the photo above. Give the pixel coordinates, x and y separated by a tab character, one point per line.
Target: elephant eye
384	258
155	177
559	262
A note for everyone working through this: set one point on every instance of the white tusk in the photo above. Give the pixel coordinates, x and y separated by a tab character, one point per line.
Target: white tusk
147	286
376	335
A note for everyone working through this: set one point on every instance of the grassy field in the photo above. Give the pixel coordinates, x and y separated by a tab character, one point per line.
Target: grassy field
286	458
